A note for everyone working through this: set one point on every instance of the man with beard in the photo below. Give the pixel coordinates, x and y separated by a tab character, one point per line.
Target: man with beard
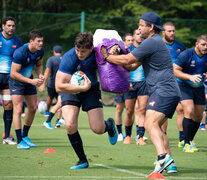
8	44
175	47
191	67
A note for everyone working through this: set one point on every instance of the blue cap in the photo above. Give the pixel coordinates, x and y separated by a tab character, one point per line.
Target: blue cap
153	18
57	49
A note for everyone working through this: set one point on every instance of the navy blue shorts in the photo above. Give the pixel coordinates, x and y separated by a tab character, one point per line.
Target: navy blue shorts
88	100
20	88
119	98
195	94
139	89
4	81
165	105
52	93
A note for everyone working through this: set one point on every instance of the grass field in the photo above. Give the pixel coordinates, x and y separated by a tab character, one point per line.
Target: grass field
106	161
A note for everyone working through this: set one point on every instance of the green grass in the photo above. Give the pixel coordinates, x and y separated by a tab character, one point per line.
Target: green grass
120	161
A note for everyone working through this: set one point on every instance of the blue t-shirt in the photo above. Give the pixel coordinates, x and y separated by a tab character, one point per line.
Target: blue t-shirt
138	74
175	49
192	64
7	48
157	64
53	63
24	57
70	64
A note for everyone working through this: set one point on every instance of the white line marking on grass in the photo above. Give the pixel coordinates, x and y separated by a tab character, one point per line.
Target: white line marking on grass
123	170
144	175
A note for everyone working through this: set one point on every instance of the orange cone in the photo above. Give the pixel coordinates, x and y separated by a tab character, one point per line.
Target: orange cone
49	150
156	175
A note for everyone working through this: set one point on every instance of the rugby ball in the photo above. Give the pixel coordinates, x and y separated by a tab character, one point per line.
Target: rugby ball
77	78
42	107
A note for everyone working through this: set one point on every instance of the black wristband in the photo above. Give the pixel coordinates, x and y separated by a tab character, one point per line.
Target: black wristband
105	58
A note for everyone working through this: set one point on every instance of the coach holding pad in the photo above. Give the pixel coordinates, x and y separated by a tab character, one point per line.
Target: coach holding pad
164	95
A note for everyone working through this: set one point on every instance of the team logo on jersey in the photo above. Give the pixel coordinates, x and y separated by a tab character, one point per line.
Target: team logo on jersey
28	60
192	64
14	46
152	103
178	50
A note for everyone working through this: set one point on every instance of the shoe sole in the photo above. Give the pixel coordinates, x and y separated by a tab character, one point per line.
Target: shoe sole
80	166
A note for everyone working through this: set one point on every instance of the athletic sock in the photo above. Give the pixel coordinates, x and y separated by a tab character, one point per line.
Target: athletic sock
161	156
187	128
181	136
141	132
119	128
137	129
194	129
8	115
25	131
77	145
19	135
50	117
128	130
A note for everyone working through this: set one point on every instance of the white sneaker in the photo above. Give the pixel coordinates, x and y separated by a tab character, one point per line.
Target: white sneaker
9	141
62	121
137	137
120	137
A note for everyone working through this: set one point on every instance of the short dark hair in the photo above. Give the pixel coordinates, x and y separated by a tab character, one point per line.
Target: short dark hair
84	40
202	36
156	30
8	18
35	34
168	23
127	34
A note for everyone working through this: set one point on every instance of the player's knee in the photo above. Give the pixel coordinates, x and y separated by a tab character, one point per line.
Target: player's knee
8	105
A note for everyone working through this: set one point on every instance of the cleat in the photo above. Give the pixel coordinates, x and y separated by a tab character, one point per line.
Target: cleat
29	142
193	146
127	140
48	125
172	168
57	124
23	115
80	165
47	113
163	164
112	134
202	127
22	145
181	144
62	121
137	137
188	148
120	137
10	136
9	141
141	142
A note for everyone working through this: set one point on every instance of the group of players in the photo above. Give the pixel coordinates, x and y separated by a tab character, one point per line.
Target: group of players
157	92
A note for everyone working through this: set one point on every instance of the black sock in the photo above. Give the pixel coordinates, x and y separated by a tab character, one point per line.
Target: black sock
8	115
25	131
77	145
141	132
187	128
119	128
137	129
50	117
19	135
181	136
128	130
194	130
161	156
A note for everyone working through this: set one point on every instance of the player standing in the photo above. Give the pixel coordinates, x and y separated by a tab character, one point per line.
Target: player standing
8	44
22	84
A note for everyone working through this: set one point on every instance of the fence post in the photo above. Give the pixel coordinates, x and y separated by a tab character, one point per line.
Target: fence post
82	21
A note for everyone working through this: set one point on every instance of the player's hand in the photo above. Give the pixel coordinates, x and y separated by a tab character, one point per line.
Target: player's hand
131	87
37	82
87	83
103	51
196	78
205	74
41	87
115	49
